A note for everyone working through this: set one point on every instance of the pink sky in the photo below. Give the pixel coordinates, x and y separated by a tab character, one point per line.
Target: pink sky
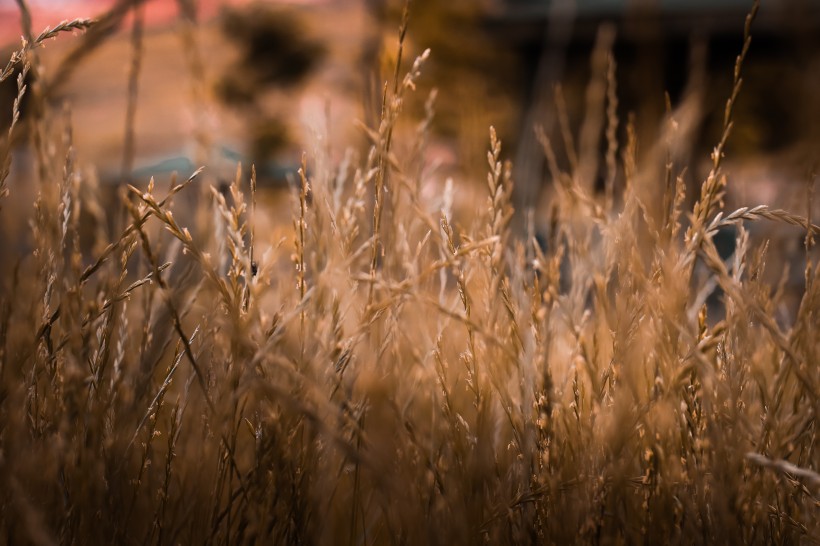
50	12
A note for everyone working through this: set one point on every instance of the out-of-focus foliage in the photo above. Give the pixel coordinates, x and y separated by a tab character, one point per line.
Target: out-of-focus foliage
275	53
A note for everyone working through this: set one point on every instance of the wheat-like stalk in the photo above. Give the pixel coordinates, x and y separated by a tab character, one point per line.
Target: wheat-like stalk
405	369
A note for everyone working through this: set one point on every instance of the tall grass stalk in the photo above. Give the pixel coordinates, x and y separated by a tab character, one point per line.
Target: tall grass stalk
406	373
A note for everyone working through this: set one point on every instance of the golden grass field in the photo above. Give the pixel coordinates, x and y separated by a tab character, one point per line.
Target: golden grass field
399	365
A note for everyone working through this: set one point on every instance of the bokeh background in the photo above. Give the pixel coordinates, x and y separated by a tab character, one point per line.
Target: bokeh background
163	86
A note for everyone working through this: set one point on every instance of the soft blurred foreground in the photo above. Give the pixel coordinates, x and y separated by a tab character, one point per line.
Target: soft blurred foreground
358	322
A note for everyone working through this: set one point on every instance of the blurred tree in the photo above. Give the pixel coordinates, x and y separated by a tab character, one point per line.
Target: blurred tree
275	53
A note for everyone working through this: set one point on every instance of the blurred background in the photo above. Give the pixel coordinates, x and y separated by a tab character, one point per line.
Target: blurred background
162	85
270	71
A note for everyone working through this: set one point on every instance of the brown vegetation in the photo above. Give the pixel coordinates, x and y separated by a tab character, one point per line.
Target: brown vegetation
396	373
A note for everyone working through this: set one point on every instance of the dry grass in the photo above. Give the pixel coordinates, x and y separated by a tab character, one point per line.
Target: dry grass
396	374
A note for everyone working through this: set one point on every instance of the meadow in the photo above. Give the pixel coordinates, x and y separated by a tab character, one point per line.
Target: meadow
396	371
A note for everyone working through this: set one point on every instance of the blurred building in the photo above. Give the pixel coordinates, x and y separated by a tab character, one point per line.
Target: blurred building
50	12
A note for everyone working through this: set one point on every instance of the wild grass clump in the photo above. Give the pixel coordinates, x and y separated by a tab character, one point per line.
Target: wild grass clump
397	373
